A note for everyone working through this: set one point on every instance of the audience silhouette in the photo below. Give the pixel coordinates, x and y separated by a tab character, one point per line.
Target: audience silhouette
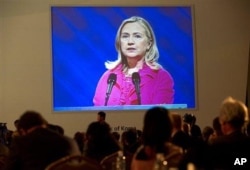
35	143
37	146
101	116
207	132
156	134
99	141
117	136
234	144
80	139
130	141
179	137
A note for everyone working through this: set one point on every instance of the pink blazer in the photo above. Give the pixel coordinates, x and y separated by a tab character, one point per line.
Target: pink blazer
156	87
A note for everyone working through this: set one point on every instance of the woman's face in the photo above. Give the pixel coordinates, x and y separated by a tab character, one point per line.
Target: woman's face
134	42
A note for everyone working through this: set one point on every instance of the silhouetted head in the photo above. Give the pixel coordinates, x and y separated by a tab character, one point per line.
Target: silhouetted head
157	127
30	120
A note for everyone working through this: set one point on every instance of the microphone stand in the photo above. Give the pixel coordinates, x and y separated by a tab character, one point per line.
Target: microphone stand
136	81
139	98
111	83
106	99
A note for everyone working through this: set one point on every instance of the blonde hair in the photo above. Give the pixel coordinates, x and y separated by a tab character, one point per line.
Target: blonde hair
152	55
234	112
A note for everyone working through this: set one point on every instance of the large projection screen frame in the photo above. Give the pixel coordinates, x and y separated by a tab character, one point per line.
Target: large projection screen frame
83	38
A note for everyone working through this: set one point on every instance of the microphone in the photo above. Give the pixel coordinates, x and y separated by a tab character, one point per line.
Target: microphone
111	82
136	81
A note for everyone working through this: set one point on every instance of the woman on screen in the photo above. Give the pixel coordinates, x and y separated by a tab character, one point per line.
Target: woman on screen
135	77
